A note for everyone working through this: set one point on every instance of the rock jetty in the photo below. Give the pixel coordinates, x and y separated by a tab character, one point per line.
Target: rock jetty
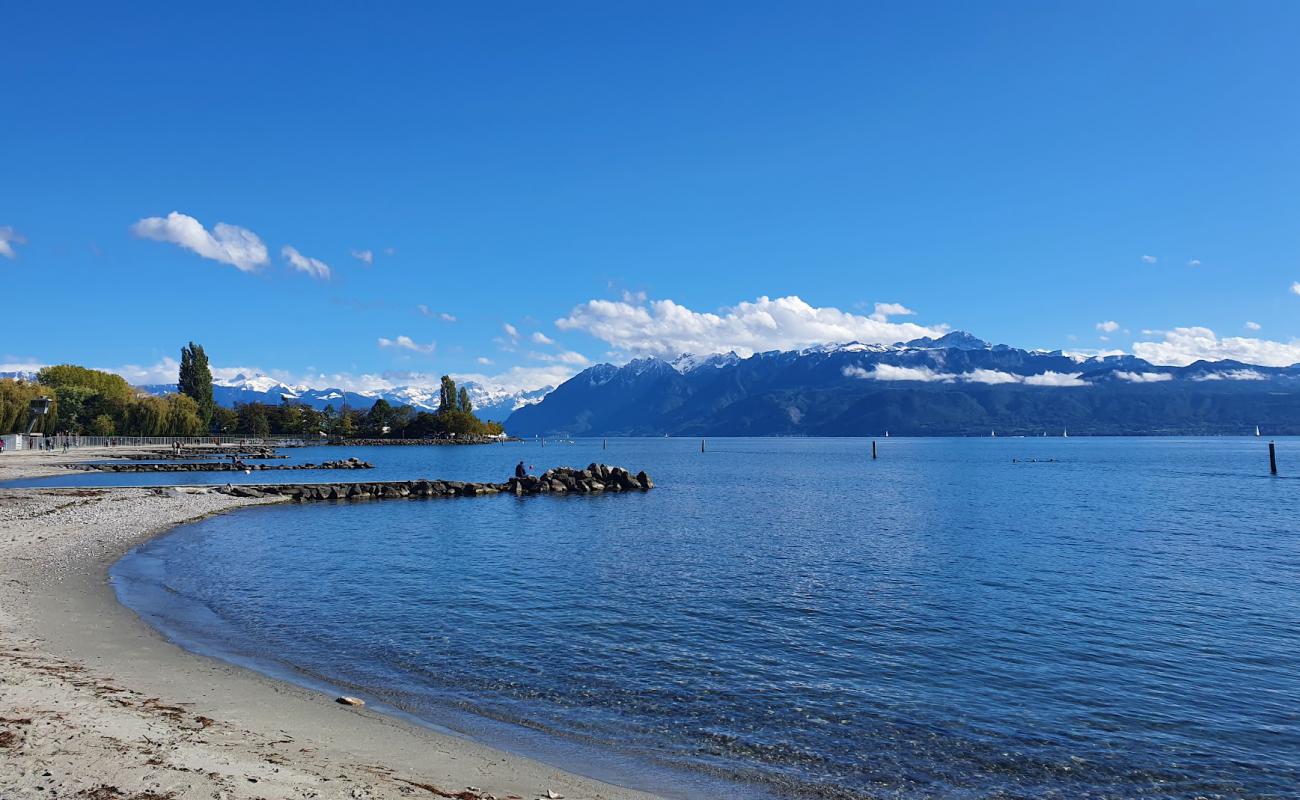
209	466
432	441
594	479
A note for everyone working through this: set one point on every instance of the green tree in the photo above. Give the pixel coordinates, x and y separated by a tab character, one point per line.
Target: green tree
182	416
253	420
380	417
101	426
464	404
195	380
224	420
447	395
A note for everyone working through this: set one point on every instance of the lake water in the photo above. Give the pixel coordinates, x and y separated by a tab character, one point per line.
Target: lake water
959	618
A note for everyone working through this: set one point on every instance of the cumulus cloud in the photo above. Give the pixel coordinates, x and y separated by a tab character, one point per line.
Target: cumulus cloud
1195	262
407	343
511	331
227	244
1295	288
666	328
890	372
1149	259
1109	326
312	266
1252	326
1182	346
8	238
484	361
366	257
1145	377
541	338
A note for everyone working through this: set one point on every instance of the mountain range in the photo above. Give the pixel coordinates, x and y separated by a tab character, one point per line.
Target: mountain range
951	386
489	403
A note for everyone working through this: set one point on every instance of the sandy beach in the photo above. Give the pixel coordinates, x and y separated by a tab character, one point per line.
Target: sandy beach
94	703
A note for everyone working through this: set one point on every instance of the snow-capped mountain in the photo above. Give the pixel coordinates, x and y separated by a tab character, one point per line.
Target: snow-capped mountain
489	402
956	384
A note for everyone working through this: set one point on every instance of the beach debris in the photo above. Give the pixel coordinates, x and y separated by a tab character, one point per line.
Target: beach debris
349	701
550	795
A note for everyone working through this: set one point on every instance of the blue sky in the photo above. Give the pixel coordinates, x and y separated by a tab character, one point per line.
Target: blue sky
1026	171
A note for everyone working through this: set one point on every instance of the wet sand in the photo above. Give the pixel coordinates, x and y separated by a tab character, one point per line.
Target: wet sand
95	703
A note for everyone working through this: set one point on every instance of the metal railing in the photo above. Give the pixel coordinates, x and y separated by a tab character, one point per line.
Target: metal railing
33	442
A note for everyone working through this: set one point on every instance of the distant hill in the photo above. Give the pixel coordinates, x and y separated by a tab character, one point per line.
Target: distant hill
489	404
952	386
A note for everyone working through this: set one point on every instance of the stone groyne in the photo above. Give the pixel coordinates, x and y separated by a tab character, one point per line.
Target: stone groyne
433	442
595	479
212	466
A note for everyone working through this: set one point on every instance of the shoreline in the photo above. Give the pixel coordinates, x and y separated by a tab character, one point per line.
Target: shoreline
93	696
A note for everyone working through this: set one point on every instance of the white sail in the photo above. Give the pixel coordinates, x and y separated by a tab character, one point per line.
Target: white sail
1256	430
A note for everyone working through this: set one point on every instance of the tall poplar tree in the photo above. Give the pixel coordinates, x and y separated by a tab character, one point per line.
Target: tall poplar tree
196	381
465	404
447	395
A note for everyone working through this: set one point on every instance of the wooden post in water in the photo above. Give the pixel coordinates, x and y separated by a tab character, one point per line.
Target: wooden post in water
873	449
1272	458
701	445
604	443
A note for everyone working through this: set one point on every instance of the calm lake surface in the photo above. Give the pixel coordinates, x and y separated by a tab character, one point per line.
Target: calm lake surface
1120	618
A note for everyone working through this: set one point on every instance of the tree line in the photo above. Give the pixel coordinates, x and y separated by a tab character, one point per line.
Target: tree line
92	402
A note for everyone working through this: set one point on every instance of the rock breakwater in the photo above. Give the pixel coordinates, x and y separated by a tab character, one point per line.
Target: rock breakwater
208	466
595	479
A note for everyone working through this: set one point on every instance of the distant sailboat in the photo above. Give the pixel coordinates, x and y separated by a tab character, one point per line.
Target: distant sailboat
886	434
994	434
1065	434
1256	430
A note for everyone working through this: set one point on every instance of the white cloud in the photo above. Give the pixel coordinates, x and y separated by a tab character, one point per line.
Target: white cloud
1059	379
1195	262
1182	346
541	338
562	357
1145	377
8	238
665	328
425	311
1295	288
889	372
228	244
519	379
991	376
884	311
407	343
1250	326
366	257
511	331
390	251
1232	375
312	266
1109	326
484	361
1149	259
163	371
